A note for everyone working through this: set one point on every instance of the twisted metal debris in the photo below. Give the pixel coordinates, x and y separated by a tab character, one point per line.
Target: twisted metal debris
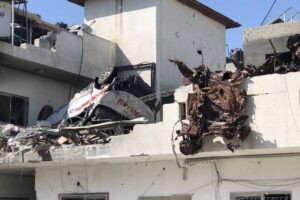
217	105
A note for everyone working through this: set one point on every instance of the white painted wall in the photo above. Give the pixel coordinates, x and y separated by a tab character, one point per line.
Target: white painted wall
156	30
132	25
5	19
164	178
40	91
97	55
17	186
182	31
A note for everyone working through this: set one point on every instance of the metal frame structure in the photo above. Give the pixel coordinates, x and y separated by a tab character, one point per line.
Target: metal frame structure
13	4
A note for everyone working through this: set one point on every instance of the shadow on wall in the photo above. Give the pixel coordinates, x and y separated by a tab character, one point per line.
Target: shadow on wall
122	59
99	9
255	139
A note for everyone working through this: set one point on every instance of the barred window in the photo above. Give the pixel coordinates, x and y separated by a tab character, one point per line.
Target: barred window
261	196
97	196
13	109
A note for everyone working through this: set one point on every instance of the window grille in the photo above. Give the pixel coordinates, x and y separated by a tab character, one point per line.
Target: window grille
98	196
175	197
13	109
261	196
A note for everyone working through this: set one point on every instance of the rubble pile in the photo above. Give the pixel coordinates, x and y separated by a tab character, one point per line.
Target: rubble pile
107	107
280	63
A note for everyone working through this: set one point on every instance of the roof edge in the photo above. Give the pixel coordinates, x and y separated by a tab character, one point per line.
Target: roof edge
196	5
209	12
78	2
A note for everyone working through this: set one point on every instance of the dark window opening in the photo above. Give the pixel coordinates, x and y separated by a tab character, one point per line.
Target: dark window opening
13	109
99	196
182	111
284	57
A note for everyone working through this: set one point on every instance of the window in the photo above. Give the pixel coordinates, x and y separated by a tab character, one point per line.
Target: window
14	199
13	109
261	196
174	197
182	110
99	196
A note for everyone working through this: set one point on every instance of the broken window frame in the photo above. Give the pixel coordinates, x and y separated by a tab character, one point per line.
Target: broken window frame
25	110
88	196
259	195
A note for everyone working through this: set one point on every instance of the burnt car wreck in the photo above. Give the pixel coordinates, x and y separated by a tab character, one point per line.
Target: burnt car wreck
217	105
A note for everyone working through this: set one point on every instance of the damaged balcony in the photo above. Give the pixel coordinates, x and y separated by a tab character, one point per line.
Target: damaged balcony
61	56
252	111
153	141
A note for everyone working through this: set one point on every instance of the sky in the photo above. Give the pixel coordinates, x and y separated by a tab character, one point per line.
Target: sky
249	13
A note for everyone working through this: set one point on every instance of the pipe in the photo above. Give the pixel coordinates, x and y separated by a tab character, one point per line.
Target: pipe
12	22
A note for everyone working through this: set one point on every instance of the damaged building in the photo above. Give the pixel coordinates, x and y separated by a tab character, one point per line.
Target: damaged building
100	112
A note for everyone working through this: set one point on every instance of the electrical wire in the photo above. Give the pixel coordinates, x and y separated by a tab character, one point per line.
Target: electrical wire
269	11
81	63
154	181
174	147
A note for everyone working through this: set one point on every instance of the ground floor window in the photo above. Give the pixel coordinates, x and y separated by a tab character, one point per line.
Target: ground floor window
261	196
97	196
14	199
13	109
175	197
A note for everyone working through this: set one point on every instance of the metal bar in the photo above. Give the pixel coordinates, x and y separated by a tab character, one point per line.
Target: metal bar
27	27
292	18
12	22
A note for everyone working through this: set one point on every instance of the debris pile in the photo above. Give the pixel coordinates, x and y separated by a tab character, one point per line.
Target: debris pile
280	63
107	107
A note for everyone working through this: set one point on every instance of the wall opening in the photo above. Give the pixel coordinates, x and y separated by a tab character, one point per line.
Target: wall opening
261	196
13	109
95	196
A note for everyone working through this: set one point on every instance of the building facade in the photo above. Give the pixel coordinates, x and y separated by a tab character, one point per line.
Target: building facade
144	164
157	30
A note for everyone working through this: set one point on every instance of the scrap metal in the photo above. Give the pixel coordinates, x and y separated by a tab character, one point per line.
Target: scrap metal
217	105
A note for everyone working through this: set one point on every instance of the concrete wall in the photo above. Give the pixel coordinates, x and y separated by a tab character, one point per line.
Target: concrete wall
164	178
97	55
182	31
146	31
129	23
274	110
17	186
256	40
40	91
